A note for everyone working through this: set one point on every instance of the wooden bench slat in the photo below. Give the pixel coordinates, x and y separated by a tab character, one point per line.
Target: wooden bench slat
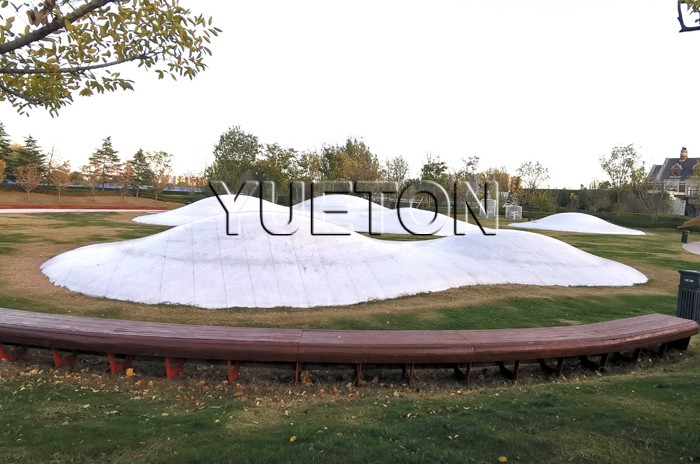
337	346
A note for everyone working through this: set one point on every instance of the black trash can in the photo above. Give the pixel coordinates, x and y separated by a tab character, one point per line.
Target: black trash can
688	304
684	237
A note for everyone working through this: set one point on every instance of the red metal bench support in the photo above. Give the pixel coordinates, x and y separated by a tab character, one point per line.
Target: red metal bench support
12	355
171	371
116	367
233	371
60	361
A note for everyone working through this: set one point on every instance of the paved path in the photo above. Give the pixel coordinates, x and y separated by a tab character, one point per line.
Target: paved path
692	247
76	210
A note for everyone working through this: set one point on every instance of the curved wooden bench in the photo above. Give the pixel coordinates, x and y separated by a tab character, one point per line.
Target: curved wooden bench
407	348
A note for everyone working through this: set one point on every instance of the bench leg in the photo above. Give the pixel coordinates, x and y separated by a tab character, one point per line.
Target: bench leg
507	373
297	373
358	374
60	361
171	371
407	373
466	375
117	367
12	355
596	366
233	372
556	371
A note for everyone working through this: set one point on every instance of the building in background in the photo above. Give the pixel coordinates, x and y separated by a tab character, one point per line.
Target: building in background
680	177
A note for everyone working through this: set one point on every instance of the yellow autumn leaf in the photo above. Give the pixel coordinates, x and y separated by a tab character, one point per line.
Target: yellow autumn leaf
293	439
502	459
130	372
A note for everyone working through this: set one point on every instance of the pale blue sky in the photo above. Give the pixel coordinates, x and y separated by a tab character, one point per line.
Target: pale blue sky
510	81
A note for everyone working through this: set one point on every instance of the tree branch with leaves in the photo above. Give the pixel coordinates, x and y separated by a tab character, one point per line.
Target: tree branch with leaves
68	47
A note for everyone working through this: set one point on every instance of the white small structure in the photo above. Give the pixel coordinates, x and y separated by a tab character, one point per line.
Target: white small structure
576	222
514	212
489	209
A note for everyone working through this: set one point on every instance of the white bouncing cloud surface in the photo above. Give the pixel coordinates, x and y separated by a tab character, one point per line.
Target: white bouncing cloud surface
347	211
207	208
576	222
198	264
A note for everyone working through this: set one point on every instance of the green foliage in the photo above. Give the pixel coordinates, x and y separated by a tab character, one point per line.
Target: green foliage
621	165
351	161
142	175
278	165
397	170
4	144
234	158
160	162
538	200
532	175
435	169
106	160
69	47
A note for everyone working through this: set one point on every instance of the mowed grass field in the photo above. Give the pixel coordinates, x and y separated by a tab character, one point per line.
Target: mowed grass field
644	413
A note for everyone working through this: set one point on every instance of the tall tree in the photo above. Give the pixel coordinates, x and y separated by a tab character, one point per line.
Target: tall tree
234	157
279	165
107	159
60	176
32	154
91	174
435	169
161	164
351	161
531	175
125	179
28	177
309	166
359	162
13	160
621	166
142	175
4	143
397	170
55	49
650	194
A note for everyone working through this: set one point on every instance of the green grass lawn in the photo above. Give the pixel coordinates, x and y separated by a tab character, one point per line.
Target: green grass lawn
649	415
644	413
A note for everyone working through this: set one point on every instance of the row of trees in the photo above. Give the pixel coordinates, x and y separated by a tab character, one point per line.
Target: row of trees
145	170
239	156
29	166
